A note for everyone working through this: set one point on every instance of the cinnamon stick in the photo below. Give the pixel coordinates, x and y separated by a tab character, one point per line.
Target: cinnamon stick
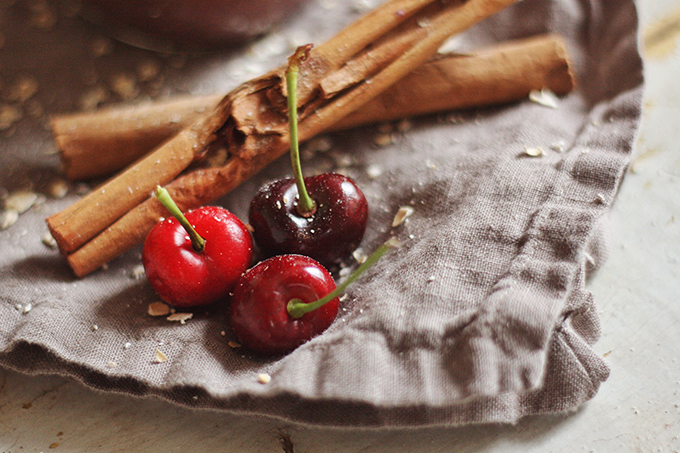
252	118
95	144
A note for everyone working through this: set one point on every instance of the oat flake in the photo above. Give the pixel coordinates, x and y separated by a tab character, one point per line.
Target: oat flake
536	151
158	309
264	378
160	357
544	97
181	317
8	217
49	241
401	216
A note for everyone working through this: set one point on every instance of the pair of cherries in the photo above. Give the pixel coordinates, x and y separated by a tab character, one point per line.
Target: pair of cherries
305	224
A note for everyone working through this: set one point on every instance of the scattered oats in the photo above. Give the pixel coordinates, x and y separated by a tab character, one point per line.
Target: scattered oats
359	255
362	6
42	15
93	98
24	308
54	445
95	327
320	144
127	345
383	139
558	146
124	85
9	114
452	44
374	171
544	97
57	188
105	266
101	46
431	278
264	378
601	198
23	89
233	344
404	125
249	227
181	317
403	213
345	271
394	242
160	357
223	333
8	217
148	70
589	258
49	241
430	164
21	200
158	309
82	189
535	151
270	46
195	397
137	272
111	364
343	160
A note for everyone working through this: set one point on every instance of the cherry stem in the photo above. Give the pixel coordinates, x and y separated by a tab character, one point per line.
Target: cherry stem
297	308
306	205
197	242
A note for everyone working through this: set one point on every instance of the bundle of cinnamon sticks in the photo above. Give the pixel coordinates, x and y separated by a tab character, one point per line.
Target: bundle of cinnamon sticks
386	63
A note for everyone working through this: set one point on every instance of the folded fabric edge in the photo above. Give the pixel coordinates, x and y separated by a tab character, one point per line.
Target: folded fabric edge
562	392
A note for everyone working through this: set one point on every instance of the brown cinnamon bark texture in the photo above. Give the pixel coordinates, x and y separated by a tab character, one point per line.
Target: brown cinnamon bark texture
96	144
253	122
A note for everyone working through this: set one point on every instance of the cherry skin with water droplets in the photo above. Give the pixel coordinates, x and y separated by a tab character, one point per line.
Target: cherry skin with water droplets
185	277
258	312
329	235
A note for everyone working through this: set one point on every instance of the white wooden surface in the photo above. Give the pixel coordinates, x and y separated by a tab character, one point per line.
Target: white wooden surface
637	293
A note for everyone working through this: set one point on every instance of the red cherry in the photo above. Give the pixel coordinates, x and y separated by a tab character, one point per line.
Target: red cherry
329	235
287	300
258	312
183	276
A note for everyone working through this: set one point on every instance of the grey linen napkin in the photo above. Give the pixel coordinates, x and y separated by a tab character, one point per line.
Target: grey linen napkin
482	316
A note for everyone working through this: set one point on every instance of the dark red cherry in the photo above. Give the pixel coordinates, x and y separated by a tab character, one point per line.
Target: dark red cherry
329	235
259	313
287	300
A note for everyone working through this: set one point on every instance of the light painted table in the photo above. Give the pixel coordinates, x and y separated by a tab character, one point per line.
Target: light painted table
637	293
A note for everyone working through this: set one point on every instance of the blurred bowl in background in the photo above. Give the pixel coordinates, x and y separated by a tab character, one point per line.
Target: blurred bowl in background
199	25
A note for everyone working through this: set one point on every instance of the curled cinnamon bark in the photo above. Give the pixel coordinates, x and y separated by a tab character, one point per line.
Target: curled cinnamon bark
96	144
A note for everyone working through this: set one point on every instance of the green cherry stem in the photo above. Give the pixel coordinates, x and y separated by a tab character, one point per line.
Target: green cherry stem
306	205
166	200
297	308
